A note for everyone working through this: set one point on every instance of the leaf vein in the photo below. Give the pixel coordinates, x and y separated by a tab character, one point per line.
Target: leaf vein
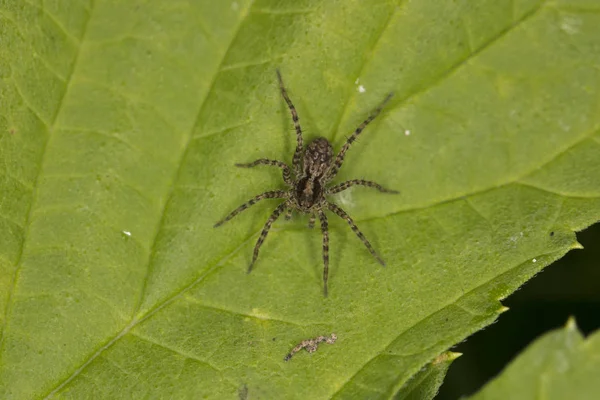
241	314
515	180
457	65
360	70
476	211
557	193
51	126
177	351
149	314
35	112
51	69
224	130
453	303
242	65
183	157
89	360
61	26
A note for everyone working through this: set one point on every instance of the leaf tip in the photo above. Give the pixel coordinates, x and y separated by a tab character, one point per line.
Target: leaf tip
447	356
571	325
577	245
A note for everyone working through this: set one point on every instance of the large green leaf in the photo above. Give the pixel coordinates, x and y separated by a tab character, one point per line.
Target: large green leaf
559	365
121	122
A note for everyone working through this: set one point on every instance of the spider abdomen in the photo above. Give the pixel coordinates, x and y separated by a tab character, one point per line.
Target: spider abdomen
308	193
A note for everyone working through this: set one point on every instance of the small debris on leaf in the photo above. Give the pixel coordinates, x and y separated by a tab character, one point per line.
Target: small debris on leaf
311	345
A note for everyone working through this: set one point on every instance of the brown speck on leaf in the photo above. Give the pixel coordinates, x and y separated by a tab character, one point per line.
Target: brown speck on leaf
311	345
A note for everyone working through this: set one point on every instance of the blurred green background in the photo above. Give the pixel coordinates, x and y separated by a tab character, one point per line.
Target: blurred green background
570	286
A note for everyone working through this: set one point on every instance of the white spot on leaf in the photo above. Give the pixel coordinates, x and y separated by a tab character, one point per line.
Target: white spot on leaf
361	89
570	25
345	198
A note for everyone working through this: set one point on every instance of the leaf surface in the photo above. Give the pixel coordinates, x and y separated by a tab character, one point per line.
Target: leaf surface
119	128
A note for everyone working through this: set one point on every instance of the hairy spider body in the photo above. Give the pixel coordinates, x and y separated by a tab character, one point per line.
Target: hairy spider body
309	189
313	168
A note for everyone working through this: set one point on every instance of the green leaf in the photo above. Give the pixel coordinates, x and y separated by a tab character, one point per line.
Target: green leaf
426	383
119	127
559	365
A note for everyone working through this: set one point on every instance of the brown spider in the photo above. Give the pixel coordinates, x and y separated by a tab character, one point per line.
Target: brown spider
313	169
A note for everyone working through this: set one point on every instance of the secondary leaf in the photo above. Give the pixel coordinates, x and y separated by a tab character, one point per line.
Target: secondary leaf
559	365
121	122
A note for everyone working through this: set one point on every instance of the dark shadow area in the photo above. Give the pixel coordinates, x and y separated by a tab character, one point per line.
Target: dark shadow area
569	287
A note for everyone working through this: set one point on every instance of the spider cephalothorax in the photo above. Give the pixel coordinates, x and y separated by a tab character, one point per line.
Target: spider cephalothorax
313	168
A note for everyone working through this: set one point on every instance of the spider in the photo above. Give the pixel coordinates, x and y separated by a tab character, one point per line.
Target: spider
313	168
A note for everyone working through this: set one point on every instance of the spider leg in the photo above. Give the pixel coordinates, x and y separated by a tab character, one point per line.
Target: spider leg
345	185
325	232
265	232
300	143
287	173
275	194
340	157
311	221
342	214
288	214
